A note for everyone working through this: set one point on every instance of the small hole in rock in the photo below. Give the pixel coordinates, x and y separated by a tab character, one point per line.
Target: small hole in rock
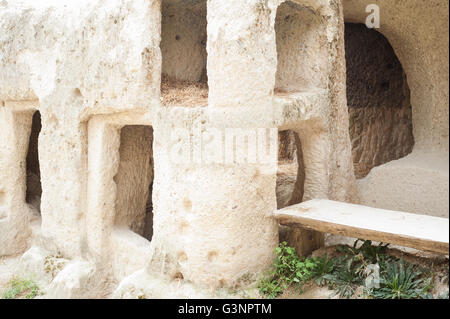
182	256
77	92
212	256
187	204
178	276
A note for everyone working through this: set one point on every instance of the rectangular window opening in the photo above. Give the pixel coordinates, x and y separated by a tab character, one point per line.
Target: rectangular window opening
302	56
134	180
184	80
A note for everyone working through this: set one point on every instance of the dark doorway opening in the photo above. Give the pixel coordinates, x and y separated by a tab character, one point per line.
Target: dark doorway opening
34	187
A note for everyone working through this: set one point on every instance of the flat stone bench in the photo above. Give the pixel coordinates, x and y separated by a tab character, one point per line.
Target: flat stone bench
421	232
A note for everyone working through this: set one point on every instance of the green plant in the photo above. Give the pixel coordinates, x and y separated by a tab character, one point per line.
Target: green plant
21	288
401	282
348	271
324	266
344	279
270	288
285	263
288	270
365	255
352	269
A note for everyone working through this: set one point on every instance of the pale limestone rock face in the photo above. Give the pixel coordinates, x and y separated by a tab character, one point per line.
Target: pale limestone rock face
301	45
93	70
87	61
183	39
418	33
41	267
145	285
245	34
427	189
15	214
73	282
65	54
61	45
141	285
32	265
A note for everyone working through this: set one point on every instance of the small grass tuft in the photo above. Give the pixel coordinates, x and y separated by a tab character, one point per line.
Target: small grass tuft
400	281
21	288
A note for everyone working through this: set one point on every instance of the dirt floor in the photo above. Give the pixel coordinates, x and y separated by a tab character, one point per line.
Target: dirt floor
183	93
309	291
